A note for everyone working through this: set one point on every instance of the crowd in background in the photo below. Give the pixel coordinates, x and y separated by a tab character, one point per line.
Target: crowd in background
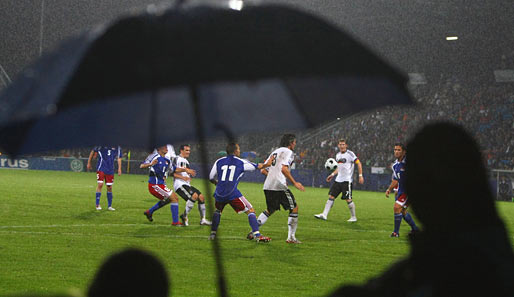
486	112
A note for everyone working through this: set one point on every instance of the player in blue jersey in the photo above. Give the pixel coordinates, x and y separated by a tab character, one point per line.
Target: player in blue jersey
225	174
398	180
105	170
159	166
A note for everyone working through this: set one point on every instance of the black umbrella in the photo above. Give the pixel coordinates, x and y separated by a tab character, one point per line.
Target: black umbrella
271	64
142	80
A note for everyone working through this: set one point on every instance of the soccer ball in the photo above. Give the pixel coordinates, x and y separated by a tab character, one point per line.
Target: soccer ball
331	164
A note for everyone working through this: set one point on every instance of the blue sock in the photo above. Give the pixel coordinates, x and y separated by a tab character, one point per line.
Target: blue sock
254	224
98	194
155	207
174	212
109	198
216	217
397	221
408	218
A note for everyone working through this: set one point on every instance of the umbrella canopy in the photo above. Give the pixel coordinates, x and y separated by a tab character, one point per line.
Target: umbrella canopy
261	68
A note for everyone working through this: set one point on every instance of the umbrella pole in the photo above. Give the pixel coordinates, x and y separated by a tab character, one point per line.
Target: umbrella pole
222	286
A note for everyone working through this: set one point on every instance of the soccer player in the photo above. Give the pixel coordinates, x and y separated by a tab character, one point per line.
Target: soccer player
105	171
275	186
170	155
346	160
159	166
398	180
182	186
225	174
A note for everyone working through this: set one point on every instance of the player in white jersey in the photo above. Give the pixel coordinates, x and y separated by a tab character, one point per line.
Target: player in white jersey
346	161
182	186
275	186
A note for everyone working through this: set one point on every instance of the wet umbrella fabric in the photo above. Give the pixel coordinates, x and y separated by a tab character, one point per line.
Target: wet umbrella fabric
264	68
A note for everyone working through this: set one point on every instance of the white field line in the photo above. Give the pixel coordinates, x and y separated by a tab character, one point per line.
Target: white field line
239	238
161	225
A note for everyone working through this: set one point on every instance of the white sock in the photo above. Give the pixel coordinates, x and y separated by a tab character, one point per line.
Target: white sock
262	219
351	206
292	223
189	206
328	206
201	209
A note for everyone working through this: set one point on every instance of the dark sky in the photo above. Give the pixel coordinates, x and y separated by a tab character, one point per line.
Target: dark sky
410	34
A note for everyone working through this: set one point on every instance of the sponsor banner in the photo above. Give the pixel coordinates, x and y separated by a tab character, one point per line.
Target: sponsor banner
378	170
43	163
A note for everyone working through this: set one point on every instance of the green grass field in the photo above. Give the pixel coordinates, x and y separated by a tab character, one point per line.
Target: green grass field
53	239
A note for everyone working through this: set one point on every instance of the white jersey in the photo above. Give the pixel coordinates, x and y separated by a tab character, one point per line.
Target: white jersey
345	164
181	162
275	180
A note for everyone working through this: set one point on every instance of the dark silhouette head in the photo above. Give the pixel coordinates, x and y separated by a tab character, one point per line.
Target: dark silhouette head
131	272
447	182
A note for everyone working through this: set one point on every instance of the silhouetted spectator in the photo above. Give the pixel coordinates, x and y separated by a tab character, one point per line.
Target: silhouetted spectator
463	249
131	272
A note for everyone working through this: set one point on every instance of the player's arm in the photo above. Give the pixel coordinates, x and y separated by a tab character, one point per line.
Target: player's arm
180	176
189	171
148	164
266	164
213	174
119	166
265	170
289	176
394	184
331	175
248	166
359	167
89	159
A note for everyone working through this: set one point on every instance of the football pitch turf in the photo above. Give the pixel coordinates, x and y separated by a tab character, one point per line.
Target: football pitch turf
53	239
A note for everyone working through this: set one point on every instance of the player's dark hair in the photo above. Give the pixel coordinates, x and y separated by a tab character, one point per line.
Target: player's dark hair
231	148
404	148
341	140
287	139
183	147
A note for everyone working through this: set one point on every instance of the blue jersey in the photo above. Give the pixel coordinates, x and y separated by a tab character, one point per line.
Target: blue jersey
159	171
228	171
400	174
106	158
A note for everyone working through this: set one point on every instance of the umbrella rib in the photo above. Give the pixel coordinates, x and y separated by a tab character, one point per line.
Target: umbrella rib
210	208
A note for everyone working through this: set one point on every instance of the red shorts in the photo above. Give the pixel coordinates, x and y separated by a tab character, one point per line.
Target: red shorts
159	191
101	176
239	204
402	200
